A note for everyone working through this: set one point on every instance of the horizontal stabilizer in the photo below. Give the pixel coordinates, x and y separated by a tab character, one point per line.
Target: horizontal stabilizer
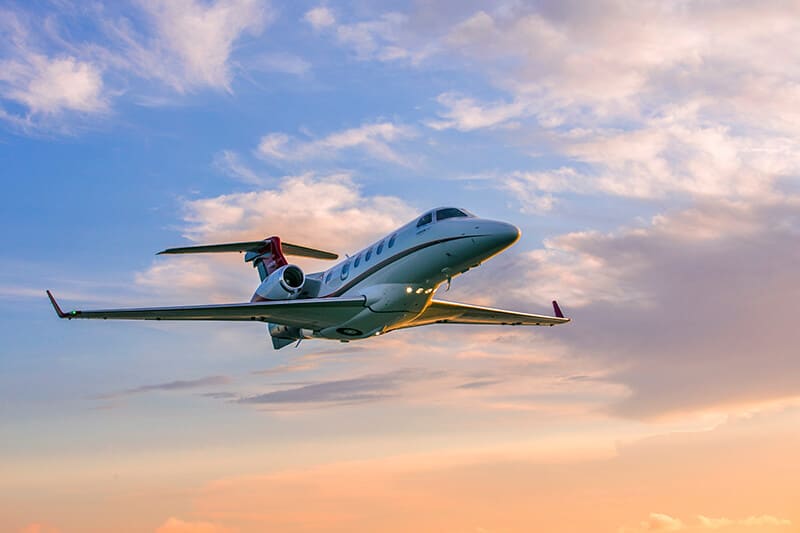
251	246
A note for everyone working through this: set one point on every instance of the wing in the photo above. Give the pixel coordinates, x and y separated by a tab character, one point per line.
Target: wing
312	313
439	312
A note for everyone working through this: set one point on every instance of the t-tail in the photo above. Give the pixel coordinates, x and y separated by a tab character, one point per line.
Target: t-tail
267	255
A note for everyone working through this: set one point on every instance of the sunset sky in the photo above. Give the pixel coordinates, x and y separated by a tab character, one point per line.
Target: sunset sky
648	151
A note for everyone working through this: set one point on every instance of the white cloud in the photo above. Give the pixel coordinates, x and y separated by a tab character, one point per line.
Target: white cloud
192	42
373	138
325	212
385	38
231	164
50	85
320	17
466	114
674	154
186	44
375	38
701	103
322	212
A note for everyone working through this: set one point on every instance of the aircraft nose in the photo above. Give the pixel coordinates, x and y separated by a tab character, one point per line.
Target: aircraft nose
507	233
500	235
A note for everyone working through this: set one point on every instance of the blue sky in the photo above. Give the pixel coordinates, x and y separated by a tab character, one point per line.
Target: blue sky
647	151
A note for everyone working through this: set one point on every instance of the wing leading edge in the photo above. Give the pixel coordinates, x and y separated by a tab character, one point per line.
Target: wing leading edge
314	313
441	312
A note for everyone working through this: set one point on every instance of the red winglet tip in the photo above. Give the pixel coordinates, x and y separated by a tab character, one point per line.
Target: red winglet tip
59	312
557	310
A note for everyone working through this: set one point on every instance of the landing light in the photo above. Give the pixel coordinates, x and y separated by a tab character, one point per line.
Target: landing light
419	291
409	289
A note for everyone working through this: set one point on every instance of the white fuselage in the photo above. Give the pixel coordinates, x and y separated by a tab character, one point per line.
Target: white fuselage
399	273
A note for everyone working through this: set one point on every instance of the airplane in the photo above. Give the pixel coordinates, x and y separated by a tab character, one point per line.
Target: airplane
384	287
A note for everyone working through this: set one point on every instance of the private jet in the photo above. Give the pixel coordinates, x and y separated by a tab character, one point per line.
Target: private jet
389	285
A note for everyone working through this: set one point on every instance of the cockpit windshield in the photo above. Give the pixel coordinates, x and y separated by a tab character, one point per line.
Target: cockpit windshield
426	219
450	212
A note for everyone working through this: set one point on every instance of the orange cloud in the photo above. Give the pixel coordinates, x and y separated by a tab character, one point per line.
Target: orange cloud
176	525
39	528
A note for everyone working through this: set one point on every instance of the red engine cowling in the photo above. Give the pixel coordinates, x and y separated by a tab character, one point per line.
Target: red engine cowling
285	283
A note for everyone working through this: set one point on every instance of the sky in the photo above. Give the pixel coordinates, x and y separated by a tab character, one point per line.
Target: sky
648	151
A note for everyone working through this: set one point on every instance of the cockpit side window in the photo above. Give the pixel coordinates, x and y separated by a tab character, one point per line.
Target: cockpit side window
450	212
427	218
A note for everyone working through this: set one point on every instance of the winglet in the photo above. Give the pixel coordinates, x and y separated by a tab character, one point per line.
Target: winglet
557	310
59	312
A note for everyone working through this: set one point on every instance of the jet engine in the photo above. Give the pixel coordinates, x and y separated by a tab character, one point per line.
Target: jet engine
283	284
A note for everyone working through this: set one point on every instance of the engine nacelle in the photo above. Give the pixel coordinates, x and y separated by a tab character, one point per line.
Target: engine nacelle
283	284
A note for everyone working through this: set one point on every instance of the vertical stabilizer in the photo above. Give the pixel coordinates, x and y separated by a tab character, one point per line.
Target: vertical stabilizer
268	258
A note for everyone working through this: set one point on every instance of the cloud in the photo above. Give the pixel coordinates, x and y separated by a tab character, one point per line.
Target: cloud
466	114
176	525
174	54
663	522
326	212
230	163
320	17
39	528
51	85
750	521
659	522
373	138
46	86
666	112
372	387
177	385
386	37
604	59
57	80
671	155
695	307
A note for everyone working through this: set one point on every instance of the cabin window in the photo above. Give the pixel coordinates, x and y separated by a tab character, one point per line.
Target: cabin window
345	270
328	277
392	239
379	249
369	254
427	218
450	212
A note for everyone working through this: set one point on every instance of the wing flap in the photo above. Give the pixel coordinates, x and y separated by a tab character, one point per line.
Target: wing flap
312	313
441	312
